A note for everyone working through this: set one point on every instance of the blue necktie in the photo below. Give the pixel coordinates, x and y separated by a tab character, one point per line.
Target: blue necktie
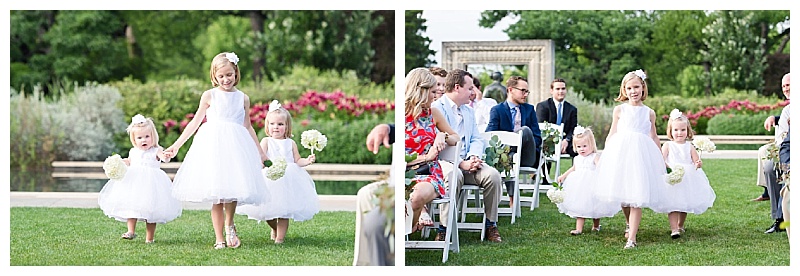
558	117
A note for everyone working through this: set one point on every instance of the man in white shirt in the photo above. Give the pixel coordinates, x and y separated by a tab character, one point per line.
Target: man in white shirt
472	170
481	105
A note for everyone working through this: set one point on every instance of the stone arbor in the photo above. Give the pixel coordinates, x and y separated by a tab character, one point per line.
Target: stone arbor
538	54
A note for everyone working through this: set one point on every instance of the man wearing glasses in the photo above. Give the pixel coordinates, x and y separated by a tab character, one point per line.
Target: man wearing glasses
515	114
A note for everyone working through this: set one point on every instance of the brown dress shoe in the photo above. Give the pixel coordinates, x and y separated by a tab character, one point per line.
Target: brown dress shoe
439	236
493	235
760	198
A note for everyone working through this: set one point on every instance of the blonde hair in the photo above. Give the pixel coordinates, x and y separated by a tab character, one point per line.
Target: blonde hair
286	116
219	61
147	124
682	118
628	77
586	135
419	82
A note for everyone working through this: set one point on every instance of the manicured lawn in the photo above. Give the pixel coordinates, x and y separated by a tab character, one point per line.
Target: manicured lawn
728	234
86	237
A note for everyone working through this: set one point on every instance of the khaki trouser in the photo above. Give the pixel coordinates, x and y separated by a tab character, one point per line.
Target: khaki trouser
487	177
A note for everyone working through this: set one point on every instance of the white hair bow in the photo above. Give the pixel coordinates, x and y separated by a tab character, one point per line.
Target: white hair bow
579	130
675	114
138	119
274	105
232	58
641	74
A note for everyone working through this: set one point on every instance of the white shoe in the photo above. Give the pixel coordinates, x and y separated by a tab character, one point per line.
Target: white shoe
629	244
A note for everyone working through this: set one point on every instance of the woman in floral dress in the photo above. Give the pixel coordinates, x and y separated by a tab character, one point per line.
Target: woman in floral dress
424	139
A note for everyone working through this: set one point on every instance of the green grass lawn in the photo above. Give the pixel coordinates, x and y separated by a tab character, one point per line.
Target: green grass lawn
731	233
86	237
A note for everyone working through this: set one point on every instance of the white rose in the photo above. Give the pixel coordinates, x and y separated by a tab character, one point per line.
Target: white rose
114	167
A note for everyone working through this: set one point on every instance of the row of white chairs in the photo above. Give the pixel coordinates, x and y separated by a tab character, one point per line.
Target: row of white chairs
525	180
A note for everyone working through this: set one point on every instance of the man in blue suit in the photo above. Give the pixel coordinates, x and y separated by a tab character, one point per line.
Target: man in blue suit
471	169
515	114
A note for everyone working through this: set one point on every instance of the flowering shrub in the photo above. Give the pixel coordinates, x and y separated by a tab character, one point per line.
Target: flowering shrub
699	119
319	105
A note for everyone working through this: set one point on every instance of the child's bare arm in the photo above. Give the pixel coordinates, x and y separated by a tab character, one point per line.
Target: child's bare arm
566	173
162	156
302	162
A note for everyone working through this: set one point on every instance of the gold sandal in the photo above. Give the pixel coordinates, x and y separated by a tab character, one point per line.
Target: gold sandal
219	245
129	236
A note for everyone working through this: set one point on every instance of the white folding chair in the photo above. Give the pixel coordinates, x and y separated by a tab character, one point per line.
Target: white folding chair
518	172
553	159
450	154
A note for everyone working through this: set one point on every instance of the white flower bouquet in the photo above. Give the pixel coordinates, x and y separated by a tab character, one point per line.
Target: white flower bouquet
114	167
277	169
556	195
676	176
314	140
703	144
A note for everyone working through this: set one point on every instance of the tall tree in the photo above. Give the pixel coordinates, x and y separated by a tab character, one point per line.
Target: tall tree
594	49
417	46
675	44
737	57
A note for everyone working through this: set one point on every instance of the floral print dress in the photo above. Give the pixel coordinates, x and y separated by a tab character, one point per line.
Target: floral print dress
420	134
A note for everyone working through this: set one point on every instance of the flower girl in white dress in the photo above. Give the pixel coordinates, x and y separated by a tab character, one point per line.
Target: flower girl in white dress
579	184
631	170
223	165
693	194
292	196
144	192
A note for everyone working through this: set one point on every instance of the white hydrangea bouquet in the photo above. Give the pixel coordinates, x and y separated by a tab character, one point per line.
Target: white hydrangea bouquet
277	169
675	176
703	144
556	195
314	140
114	167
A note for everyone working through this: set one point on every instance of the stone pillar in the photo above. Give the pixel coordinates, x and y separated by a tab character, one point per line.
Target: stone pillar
538	54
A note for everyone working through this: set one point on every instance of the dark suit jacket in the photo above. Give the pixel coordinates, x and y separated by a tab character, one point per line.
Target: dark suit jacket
784	151
391	133
546	112
500	119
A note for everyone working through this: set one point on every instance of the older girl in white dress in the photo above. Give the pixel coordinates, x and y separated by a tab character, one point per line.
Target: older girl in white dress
631	170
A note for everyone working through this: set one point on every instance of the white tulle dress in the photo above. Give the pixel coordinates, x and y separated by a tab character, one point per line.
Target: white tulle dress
144	193
293	196
223	164
692	195
580	188
631	169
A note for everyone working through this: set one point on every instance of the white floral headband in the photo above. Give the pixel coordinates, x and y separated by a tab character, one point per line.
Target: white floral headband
579	130
675	114
138	119
274	105
641	74
232	58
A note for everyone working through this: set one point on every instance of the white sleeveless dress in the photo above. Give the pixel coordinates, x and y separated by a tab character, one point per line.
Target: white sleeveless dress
293	196
223	164
579	188
631	169
144	193
692	195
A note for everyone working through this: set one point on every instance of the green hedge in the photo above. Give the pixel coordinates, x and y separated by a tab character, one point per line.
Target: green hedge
346	141
737	124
